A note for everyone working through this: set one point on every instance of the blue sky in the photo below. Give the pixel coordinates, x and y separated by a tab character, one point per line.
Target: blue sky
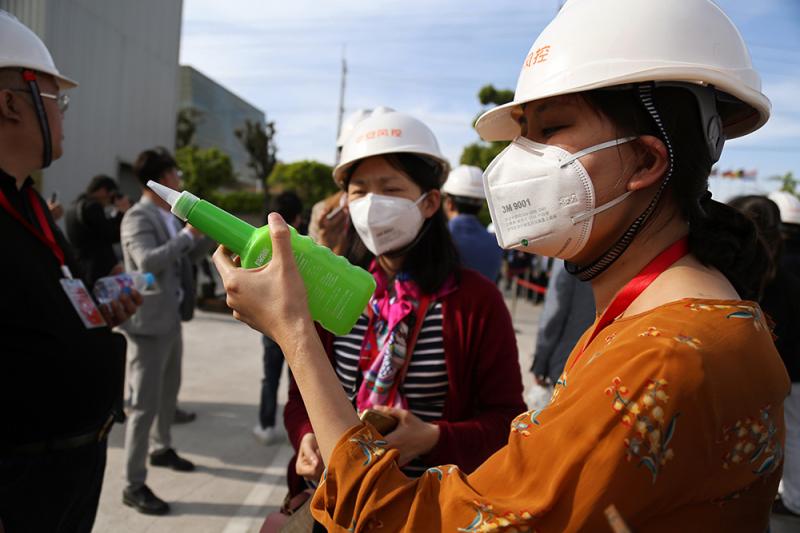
430	57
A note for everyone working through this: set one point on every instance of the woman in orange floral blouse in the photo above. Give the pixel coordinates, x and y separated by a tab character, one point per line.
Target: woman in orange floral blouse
668	416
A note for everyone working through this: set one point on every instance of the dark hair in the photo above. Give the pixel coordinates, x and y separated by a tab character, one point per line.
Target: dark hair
767	217
719	235
151	164
433	256
101	181
288	205
465	206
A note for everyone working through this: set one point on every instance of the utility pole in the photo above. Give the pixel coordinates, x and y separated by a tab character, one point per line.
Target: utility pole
341	100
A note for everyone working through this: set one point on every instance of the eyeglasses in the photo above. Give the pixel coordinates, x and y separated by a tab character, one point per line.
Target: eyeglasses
62	100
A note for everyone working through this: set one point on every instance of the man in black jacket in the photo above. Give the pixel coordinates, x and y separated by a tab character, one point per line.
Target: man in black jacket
92	232
61	367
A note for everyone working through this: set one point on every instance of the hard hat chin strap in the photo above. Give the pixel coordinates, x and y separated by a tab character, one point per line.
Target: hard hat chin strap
598	266
44	125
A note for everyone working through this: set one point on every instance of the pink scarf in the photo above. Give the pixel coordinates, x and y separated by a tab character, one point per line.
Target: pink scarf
395	320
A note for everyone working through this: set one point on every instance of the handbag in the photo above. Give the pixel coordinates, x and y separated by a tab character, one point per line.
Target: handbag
293	517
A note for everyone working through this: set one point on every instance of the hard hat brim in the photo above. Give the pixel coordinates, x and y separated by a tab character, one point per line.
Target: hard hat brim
341	169
64	82
497	124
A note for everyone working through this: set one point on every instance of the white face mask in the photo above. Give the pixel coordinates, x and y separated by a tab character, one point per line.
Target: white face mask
386	223
541	197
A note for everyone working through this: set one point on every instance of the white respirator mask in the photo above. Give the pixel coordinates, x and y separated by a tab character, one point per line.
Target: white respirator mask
386	223
541	198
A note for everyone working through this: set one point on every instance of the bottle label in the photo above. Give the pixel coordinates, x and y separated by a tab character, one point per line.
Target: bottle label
83	303
324	287
264	257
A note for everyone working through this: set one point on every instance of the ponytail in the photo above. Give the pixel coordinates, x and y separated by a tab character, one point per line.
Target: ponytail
723	237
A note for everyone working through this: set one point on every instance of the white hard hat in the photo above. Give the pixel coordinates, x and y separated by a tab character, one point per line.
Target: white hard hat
465	180
390	132
789	206
21	48
349	123
593	44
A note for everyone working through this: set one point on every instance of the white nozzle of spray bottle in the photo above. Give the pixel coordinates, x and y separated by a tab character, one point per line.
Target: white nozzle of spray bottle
172	197
168	195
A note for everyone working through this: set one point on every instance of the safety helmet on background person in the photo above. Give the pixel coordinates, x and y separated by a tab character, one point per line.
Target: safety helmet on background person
354	118
390	132
22	48
465	181
583	48
789	206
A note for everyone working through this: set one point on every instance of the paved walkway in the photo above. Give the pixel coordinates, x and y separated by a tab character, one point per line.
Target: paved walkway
238	481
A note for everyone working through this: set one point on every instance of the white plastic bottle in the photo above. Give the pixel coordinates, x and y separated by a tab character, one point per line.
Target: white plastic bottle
109	288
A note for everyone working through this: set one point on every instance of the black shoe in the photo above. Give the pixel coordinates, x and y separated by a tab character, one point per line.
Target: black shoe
183	417
171	459
778	507
144	501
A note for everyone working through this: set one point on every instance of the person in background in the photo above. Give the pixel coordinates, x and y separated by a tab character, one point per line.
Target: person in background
568	311
55	207
93	222
518	264
435	348
463	200
669	414
781	301
789	206
153	241
539	274
61	367
329	218
328	222
289	205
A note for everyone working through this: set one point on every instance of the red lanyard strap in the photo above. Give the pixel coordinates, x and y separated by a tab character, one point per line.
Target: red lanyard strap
635	287
46	233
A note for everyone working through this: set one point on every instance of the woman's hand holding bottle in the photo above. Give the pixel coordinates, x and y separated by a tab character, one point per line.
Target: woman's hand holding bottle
270	299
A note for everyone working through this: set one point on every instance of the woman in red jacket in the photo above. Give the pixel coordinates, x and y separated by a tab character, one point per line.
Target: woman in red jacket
436	348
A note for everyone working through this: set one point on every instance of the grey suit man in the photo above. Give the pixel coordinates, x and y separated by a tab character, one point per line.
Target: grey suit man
568	311
153	241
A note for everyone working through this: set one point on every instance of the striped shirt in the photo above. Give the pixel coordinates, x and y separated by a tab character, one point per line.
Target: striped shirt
426	382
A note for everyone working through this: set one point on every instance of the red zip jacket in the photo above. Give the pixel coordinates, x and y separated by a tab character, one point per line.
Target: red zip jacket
485	384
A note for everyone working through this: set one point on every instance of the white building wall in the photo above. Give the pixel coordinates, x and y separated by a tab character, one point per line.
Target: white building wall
124	54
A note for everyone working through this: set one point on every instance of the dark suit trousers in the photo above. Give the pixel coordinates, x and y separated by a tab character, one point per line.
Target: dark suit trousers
55	492
273	366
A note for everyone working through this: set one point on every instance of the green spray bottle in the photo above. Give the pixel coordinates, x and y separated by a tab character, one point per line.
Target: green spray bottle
338	292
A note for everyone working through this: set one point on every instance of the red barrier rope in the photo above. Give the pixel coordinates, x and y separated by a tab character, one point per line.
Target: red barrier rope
532	286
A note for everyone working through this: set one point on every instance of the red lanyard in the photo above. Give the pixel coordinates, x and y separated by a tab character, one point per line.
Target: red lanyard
45	234
635	287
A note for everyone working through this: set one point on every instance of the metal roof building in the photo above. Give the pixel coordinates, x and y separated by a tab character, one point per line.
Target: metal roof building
221	113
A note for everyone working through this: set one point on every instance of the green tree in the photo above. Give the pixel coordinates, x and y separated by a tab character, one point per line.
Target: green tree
488	95
481	153
205	169
788	183
259	141
311	180
186	126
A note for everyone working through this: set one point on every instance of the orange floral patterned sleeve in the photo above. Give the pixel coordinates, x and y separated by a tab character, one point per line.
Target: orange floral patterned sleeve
671	420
